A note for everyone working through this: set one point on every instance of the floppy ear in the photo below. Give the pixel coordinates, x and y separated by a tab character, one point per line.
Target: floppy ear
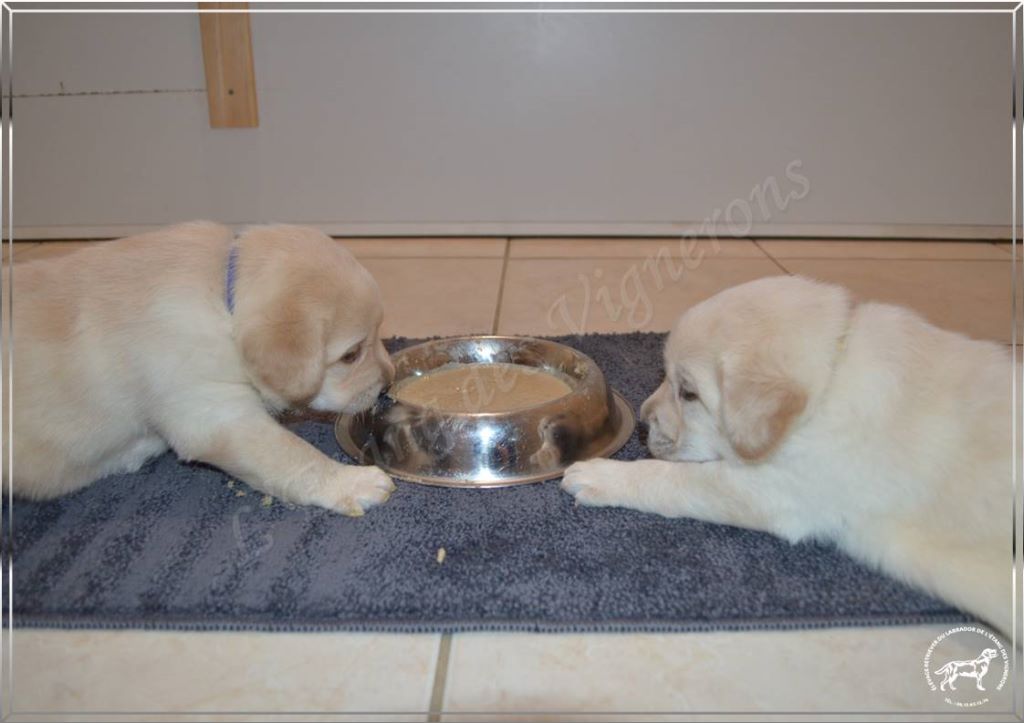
758	408
282	346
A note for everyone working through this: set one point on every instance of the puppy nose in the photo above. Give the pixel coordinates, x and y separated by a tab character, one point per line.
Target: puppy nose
643	433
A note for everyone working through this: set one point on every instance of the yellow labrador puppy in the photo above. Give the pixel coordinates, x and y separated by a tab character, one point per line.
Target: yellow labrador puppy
189	338
787	409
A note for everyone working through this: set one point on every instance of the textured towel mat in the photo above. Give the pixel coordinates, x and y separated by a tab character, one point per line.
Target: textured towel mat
181	546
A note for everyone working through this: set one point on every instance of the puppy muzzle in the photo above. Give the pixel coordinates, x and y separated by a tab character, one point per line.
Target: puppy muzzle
659	445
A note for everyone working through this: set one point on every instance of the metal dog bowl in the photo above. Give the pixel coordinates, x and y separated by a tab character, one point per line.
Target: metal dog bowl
490	449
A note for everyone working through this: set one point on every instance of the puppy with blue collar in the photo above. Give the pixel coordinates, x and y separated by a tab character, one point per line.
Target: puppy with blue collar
191	339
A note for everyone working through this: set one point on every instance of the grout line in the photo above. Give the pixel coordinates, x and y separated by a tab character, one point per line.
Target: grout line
501	286
771	258
632	257
440	678
432	258
762	249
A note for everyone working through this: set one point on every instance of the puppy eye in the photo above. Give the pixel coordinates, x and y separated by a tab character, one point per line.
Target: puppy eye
687	396
351	355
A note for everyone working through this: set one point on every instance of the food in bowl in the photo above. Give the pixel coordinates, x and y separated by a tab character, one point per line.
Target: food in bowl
482	388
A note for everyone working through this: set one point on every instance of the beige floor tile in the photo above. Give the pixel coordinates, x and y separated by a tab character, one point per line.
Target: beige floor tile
972	297
576	248
842	249
48	249
387	248
222	672
20	249
427	297
842	670
562	296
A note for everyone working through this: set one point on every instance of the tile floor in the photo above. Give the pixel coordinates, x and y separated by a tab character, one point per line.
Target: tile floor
544	286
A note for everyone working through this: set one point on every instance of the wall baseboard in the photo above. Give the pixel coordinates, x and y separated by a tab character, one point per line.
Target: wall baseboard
667	229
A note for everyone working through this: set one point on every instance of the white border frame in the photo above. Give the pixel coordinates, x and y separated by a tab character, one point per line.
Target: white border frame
1016	12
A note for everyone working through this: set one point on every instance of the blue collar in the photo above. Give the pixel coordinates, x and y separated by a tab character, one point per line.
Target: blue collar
229	279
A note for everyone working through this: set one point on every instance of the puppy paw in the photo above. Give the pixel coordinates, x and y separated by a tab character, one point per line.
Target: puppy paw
355	489
599	483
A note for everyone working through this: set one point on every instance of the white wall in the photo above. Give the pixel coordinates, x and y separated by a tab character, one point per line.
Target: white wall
521	123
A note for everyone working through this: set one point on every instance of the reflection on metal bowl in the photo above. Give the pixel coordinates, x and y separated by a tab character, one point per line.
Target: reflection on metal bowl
490	449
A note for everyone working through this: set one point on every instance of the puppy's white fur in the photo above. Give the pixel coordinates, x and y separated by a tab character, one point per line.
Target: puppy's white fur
126	349
787	409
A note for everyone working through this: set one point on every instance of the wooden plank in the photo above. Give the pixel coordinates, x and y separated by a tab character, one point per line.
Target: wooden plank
227	55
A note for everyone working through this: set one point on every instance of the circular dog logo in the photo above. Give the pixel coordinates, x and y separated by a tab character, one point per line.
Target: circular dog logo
965	681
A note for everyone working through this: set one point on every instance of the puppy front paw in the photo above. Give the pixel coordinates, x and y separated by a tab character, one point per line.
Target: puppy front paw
355	489
600	483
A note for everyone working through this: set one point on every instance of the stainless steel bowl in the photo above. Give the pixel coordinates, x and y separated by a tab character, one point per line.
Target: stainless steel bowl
490	449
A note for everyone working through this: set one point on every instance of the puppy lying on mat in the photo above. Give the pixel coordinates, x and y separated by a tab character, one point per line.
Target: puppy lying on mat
188	338
787	409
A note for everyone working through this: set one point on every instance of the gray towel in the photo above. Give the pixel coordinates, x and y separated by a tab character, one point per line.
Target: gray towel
178	545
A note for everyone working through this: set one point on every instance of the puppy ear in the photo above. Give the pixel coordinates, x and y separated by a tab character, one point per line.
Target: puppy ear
758	408
282	346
